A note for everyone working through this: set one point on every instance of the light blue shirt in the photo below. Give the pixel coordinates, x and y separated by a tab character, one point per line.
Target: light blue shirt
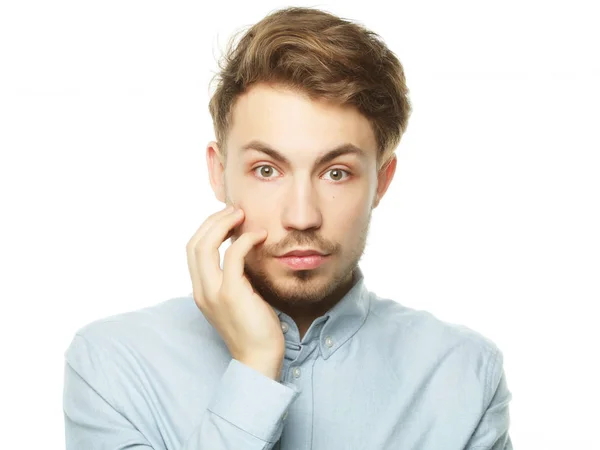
369	374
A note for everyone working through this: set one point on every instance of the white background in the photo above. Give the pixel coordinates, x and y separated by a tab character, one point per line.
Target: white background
492	220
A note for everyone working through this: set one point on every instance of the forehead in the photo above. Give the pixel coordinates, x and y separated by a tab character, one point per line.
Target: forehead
295	124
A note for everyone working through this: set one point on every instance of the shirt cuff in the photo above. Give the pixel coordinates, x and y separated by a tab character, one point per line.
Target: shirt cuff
252	401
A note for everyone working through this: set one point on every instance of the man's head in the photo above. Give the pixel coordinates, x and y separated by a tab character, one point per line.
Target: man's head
300	84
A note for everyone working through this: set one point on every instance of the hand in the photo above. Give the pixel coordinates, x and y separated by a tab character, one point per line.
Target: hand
246	322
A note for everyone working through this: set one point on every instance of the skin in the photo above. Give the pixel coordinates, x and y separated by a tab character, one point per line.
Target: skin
298	204
248	325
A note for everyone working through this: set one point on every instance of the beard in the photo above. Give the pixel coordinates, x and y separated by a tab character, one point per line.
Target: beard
305	292
312	291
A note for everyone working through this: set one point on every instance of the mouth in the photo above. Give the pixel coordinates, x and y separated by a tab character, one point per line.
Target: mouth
296	262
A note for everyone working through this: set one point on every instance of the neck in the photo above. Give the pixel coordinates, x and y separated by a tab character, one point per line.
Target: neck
304	317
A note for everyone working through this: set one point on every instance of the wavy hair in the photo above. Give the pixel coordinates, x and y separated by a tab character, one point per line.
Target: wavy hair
323	56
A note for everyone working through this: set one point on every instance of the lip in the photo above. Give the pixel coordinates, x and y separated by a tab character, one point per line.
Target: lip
307	252
311	261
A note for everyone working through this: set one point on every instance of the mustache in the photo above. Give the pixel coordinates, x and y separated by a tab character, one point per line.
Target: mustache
296	239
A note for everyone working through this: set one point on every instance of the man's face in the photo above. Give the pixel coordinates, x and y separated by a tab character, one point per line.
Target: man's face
301	204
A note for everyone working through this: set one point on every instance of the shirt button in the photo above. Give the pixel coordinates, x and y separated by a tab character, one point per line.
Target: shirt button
329	341
285	415
284	327
296	372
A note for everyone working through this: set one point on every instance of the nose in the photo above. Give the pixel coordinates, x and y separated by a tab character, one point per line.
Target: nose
301	207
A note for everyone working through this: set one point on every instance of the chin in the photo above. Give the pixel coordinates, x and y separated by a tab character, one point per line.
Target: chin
280	285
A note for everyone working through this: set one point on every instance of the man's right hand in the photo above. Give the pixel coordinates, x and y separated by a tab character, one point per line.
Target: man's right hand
246	322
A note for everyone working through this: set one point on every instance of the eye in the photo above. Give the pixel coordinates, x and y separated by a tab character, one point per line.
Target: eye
338	173
265	171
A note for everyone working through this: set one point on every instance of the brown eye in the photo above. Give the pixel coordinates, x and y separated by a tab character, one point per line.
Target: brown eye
265	171
337	174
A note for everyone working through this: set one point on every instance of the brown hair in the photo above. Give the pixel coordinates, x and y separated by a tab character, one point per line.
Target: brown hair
325	57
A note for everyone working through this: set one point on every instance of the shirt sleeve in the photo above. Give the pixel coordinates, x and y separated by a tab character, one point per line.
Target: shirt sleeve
246	411
492	431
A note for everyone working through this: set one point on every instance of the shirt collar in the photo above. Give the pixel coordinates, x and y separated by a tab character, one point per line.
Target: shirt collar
341	322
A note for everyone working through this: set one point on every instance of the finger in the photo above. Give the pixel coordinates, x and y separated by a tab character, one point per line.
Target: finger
207	254
209	223
194	242
233	261
191	244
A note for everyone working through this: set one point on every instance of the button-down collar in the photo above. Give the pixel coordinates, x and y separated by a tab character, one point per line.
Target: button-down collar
337	325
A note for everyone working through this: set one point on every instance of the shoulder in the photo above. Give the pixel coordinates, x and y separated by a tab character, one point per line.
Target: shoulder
424	328
143	331
418	343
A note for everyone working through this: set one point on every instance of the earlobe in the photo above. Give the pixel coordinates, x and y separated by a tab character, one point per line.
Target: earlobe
216	171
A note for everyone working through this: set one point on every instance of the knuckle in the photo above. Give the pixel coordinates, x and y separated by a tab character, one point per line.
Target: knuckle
208	301
197	248
232	250
224	293
200	300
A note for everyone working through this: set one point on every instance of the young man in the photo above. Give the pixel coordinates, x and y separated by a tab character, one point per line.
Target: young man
284	347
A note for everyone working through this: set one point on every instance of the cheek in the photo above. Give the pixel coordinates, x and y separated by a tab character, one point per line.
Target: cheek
351	204
348	229
253	218
348	214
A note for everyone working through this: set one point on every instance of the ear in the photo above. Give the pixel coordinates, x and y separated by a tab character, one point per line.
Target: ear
216	170
384	178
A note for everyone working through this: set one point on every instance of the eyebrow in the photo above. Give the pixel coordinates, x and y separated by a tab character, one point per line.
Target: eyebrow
332	154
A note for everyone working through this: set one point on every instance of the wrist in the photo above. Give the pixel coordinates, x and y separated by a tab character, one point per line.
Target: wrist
269	368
